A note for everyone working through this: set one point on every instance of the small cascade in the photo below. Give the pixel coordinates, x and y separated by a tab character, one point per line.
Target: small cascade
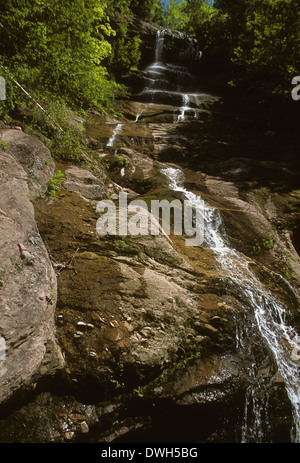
111	142
160	35
256	413
184	108
263	315
138	116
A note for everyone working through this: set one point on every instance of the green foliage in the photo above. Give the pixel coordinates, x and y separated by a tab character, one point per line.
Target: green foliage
262	42
54	183
117	379
120	162
256	42
120	244
53	296
262	246
125	47
168	373
149	10
58	129
269	46
289	271
20	264
176	17
125	54
68	146
105	163
125	50
194	17
13	97
57	49
3	145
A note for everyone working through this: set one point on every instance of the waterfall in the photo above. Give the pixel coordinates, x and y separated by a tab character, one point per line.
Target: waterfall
169	79
270	317
117	130
160	34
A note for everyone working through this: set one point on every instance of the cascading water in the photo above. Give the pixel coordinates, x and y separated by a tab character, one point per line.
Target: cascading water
159	45
270	318
185	107
111	142
138	116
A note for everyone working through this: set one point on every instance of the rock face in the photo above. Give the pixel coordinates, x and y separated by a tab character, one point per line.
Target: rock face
157	343
28	283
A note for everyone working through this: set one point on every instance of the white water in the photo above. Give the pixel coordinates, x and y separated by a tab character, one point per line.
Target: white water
117	130
184	108
159	45
269	315
138	116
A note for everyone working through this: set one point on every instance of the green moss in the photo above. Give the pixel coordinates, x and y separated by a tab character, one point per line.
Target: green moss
3	145
168	373
264	245
289	271
20	264
120	244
